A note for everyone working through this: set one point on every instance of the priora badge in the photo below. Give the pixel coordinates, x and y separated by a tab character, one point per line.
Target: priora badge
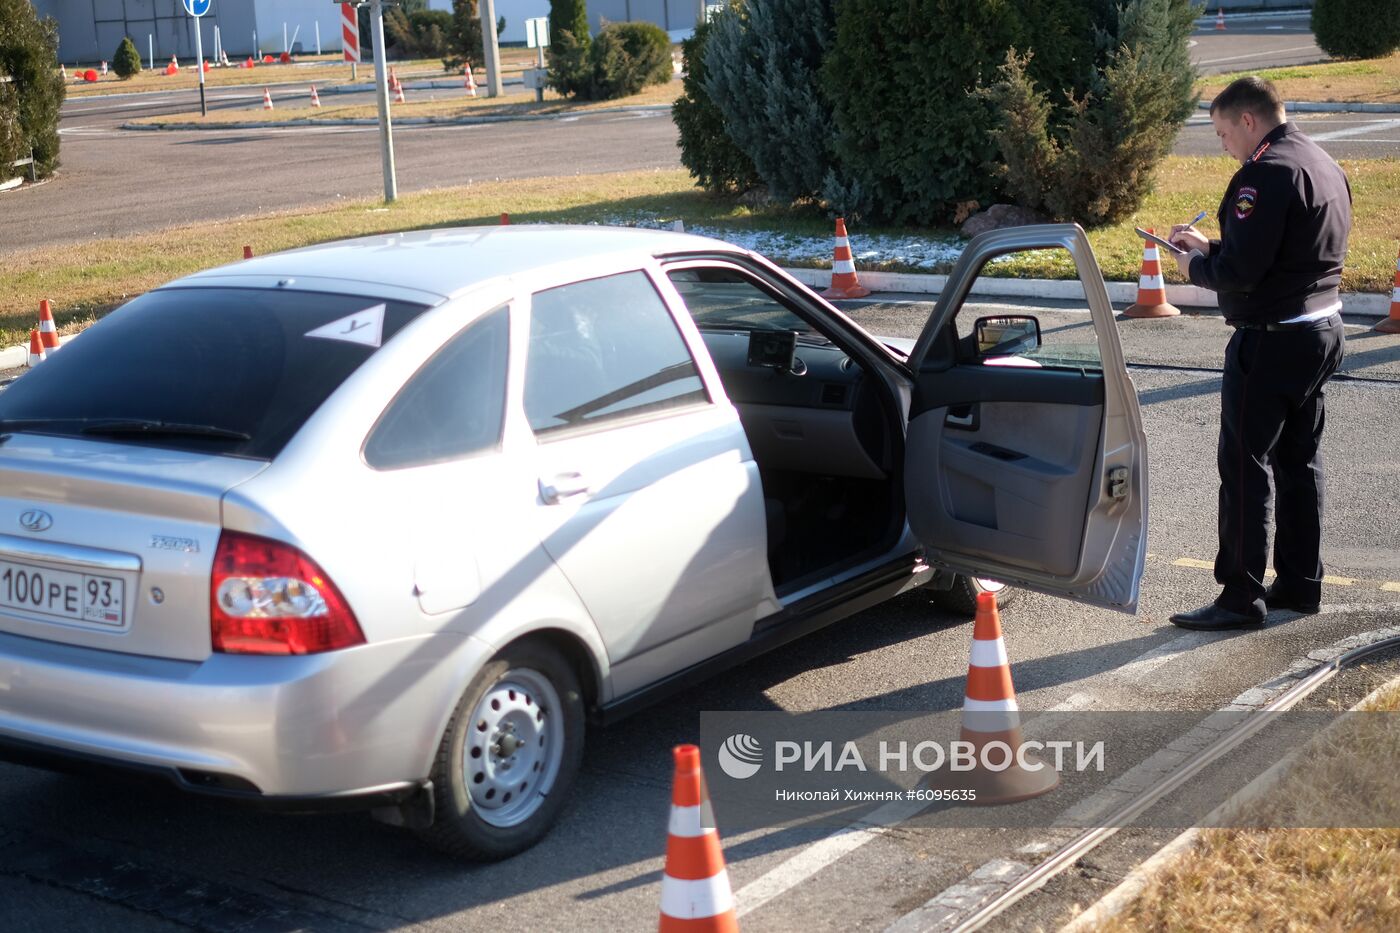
36	520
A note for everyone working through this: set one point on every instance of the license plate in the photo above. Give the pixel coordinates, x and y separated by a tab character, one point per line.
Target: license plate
71	596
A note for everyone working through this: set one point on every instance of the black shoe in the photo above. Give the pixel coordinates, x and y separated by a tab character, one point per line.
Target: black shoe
1276	600
1212	618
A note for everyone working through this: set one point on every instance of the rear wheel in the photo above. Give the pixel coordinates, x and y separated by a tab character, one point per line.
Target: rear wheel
961	598
509	755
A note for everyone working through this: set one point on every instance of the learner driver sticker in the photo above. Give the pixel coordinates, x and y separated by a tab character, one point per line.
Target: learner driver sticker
363	327
1245	199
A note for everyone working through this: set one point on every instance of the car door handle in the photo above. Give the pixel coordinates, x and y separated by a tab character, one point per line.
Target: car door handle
962	416
563	486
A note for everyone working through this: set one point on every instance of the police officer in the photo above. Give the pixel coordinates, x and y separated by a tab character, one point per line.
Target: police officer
1276	269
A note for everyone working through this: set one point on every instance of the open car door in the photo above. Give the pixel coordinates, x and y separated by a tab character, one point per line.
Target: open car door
1026	460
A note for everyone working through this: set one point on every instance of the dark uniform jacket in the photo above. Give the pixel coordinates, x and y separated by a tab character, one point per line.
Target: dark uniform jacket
1283	224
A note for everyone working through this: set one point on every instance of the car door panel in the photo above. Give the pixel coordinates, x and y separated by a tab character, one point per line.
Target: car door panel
1029	474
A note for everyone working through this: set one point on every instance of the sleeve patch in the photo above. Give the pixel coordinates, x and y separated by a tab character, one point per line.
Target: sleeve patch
1245	200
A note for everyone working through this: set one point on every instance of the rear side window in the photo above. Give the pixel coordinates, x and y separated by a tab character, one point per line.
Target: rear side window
217	370
454	406
605	349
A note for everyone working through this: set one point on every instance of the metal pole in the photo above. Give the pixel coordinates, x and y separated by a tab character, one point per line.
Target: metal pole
151	49
284	38
490	50
381	92
318	37
199	65
539	60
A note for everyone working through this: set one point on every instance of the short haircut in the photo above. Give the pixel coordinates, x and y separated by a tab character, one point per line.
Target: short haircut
1252	95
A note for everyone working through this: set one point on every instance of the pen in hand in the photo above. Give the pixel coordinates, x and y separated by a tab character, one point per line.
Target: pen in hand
1197	219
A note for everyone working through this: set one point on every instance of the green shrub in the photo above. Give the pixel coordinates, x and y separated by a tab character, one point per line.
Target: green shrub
706	149
12	144
126	61
28	53
1094	164
621	60
909	130
569	16
1357	28
421	34
762	70
464	36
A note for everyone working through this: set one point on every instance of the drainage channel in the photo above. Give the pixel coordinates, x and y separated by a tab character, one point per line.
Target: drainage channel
1072	852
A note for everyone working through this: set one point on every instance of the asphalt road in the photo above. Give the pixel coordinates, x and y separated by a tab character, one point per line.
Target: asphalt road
87	854
1262	42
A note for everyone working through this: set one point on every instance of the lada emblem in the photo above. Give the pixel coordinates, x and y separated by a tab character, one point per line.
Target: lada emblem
35	520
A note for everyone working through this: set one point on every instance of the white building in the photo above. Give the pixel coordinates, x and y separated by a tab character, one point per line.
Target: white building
91	30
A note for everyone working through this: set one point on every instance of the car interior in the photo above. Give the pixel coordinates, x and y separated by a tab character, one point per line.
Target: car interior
821	430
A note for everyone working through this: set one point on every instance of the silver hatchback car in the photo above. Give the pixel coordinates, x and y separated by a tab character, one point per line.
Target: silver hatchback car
383	523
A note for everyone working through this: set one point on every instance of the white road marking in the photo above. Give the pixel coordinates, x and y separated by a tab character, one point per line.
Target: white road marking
1356	131
1138	669
1236	58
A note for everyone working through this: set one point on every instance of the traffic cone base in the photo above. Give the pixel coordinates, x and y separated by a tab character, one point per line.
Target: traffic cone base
1152	290
267	99
844	282
695	892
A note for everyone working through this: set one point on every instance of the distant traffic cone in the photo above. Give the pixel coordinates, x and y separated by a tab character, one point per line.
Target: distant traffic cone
104	68
1152	291
470	82
36	349
844	283
505	219
172	69
247	252
398	92
1220	19
1391	324
990	715
62	72
695	892
267	99
315	98
175	62
250	63
48	333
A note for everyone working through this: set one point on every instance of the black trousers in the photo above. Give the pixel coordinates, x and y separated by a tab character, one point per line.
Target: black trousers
1271	421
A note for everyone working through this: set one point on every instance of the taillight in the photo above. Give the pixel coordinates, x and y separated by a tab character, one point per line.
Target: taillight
266	597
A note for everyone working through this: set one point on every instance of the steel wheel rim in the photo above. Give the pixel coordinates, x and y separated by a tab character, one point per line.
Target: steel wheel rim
513	748
985	585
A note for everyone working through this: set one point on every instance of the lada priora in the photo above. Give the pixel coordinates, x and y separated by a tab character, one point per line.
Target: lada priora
384	523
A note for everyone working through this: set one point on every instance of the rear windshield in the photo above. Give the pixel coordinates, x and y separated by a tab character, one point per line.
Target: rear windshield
215	370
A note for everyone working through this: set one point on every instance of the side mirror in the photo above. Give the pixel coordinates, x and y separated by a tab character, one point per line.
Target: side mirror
1007	335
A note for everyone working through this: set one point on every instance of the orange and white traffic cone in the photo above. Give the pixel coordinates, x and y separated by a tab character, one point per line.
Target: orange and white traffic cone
104	69
48	333
36	349
1152	291
1391	324
695	892
1220	19
470	82
315	98
844	283
267	99
398	92
991	716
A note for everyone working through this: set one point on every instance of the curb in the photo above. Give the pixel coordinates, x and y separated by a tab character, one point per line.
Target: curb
401	121
1326	106
1293	13
17	357
1356	304
331	89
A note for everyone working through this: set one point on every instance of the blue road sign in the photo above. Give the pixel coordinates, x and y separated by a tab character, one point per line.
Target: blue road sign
197	7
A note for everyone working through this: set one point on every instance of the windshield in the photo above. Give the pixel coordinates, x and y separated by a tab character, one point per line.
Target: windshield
725	299
215	370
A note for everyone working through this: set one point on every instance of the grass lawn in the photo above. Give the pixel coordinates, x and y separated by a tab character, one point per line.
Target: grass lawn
1295	879
324	71
1371	80
420	103
88	281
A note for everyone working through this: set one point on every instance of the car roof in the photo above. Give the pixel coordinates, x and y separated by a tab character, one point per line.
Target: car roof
447	261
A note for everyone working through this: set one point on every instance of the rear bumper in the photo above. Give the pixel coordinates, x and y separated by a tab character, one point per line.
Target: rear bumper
346	729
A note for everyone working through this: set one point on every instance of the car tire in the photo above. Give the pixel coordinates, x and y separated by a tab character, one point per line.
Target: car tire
961	598
509	755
